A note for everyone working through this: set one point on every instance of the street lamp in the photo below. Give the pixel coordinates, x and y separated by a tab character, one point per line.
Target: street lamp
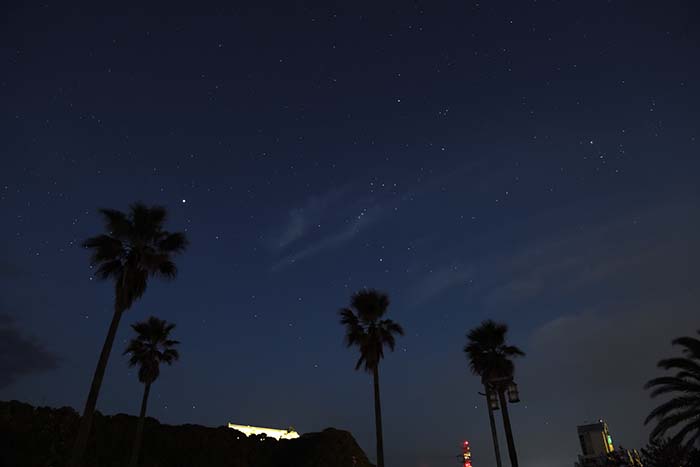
501	386
513	394
493	399
491	405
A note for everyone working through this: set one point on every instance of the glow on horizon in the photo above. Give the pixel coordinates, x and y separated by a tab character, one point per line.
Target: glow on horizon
269	432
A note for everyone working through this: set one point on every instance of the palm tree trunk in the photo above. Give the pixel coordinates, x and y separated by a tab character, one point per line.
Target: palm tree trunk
494	433
139	428
509	432
86	421
378	419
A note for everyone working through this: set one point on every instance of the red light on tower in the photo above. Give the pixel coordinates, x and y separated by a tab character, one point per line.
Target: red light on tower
466	454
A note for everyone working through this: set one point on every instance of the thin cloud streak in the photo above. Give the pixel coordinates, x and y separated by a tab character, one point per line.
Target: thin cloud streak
439	281
317	208
336	239
573	261
301	219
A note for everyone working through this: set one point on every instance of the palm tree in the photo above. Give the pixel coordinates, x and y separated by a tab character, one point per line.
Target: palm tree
491	359
151	347
135	248
682	411
366	329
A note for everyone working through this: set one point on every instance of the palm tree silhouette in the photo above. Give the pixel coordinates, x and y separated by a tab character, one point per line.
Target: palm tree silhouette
491	359
682	411
365	329
135	248
151	347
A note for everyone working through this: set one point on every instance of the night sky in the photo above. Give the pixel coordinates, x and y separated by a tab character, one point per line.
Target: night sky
534	162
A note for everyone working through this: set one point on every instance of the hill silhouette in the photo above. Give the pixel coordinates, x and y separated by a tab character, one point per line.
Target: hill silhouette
43	436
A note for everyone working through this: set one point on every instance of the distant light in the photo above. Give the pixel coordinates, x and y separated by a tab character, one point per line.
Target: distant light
269	432
184	201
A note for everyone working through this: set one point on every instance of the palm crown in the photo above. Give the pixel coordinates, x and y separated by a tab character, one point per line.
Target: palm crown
488	354
683	410
365	328
135	248
151	347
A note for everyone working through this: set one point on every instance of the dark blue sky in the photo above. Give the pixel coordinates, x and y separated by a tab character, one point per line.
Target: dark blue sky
535	162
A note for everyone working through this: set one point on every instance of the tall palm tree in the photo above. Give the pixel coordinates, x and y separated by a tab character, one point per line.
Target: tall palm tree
682	411
151	347
134	248
491	359
367	329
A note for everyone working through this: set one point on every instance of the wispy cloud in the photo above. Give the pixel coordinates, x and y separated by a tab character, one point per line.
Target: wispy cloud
621	253
335	239
352	210
440	280
626	251
301	220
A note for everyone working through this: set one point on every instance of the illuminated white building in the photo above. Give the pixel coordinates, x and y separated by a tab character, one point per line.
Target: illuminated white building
269	432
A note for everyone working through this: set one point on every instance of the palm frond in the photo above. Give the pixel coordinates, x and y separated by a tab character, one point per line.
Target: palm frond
682	411
691	344
671	421
677	403
170	355
370	305
365	330
167	269
147	221
666	384
489	333
173	242
679	363
512	351
109	269
392	327
104	248
151	347
680	436
487	352
117	223
135	248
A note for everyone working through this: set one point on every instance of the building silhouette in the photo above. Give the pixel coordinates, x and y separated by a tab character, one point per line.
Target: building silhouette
598	450
595	440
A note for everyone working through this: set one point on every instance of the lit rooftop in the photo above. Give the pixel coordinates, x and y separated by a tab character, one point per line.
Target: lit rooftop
269	432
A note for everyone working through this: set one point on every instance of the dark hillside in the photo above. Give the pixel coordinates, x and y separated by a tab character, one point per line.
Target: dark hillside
42	437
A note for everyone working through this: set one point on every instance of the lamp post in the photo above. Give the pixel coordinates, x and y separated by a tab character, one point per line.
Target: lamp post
491	405
502	386
513	394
